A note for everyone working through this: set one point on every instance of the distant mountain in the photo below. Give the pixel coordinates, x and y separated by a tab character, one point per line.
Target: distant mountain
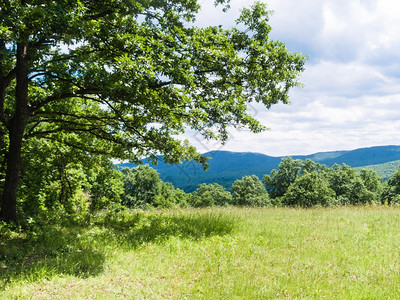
385	170
226	167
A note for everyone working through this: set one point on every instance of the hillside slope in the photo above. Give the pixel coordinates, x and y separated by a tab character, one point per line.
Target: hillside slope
385	170
226	167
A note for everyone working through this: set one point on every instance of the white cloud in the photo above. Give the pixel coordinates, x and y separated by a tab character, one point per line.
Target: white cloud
352	79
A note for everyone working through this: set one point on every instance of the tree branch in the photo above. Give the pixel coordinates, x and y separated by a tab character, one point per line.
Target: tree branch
93	129
88	117
99	15
74	146
78	94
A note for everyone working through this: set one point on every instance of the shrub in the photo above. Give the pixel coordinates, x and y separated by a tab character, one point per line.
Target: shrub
106	187
308	190
141	186
210	195
278	182
391	191
352	188
249	191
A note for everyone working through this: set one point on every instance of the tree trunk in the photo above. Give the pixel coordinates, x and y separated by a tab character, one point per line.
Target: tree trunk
17	126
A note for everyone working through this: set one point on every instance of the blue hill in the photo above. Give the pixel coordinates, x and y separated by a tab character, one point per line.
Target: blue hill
225	167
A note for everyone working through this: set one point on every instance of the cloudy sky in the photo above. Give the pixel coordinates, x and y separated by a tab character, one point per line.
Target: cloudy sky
351	93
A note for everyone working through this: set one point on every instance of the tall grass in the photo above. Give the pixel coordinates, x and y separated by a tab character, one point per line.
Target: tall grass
348	252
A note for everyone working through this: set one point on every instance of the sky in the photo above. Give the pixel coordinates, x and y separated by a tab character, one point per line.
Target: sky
351	93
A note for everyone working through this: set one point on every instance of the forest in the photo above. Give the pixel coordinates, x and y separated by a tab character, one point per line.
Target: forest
73	190
296	183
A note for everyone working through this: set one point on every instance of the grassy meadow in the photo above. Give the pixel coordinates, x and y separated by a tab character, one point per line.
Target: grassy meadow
227	253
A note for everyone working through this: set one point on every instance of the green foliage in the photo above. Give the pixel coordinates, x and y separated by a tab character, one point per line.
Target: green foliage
210	195
52	179
371	180
143	188
308	190
106	186
373	183
351	187
225	167
287	184
170	197
394	182
141	185
58	181
391	193
278	182
249	191
124	78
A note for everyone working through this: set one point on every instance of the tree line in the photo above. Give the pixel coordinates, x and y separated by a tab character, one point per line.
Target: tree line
295	183
56	183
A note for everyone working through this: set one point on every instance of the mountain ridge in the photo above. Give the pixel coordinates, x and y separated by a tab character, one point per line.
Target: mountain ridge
227	166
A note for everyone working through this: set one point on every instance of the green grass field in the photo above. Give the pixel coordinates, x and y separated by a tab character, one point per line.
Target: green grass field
231	253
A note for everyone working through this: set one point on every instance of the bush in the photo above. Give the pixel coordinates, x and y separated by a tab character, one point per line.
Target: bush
106	187
210	195
278	182
169	197
308	190
249	191
352	188
143	188
391	190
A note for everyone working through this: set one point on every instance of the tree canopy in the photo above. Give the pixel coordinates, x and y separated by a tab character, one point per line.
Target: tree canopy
250	191
122	78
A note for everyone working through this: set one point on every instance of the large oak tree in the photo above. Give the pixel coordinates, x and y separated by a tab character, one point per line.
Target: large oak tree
123	78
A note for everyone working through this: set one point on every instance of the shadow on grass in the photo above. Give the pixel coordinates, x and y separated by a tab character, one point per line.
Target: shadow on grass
48	252
81	250
140	229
